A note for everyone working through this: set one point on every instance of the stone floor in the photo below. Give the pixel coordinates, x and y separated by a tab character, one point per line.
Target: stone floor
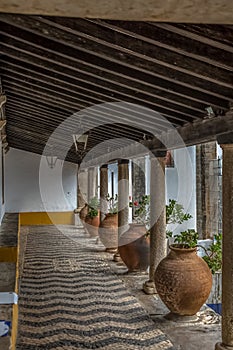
73	296
70	298
9	230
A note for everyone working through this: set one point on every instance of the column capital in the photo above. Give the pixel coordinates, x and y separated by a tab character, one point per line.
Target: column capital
226	145
104	166
123	161
225	139
159	153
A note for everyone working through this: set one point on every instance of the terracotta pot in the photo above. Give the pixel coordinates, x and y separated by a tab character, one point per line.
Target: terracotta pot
183	281
92	225
134	248
108	232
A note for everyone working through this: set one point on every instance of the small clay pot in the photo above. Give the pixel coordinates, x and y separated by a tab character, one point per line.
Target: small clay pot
92	225
108	232
183	281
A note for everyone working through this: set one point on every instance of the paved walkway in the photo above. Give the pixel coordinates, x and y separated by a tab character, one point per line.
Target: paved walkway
70	299
9	230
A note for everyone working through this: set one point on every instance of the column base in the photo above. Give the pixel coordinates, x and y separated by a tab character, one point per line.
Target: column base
77	210
111	250
116	257
149	287
77	220
221	346
179	318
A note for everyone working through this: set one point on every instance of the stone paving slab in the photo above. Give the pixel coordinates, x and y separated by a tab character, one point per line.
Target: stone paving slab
9	230
70	298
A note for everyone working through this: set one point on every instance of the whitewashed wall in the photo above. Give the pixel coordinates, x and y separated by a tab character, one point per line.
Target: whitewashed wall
181	184
23	189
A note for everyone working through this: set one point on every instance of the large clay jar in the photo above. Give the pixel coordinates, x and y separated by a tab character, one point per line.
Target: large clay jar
134	248
92	225
183	281
108	232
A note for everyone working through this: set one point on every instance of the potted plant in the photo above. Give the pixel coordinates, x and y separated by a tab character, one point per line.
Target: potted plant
213	258
183	280
92	219
133	244
108	228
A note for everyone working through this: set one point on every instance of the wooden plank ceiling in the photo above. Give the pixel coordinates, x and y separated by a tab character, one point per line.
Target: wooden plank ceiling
52	67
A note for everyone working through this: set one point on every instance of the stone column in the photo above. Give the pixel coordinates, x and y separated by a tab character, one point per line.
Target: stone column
81	194
103	191
91	183
81	189
158	243
205	154
123	199
227	268
138	179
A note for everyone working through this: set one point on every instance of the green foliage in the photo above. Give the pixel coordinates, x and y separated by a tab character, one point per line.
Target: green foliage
93	207
213	256
112	204
187	239
175	214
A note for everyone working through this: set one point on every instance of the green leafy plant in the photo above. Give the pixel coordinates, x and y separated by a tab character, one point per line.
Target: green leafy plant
186	239
175	214
93	207
213	256
112	204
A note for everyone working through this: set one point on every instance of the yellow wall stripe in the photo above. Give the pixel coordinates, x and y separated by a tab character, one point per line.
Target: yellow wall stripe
47	218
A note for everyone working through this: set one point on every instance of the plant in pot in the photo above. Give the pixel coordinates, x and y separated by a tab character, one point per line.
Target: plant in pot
92	219
133	244
183	280
213	258
108	228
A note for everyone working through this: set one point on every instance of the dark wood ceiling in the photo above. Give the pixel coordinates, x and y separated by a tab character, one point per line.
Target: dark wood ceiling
52	67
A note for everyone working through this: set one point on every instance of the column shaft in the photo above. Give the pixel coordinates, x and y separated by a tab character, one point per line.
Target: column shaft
103	191
158	245
81	189
227	268
91	183
123	195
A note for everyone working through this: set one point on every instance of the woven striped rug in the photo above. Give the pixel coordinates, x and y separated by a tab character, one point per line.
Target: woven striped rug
69	298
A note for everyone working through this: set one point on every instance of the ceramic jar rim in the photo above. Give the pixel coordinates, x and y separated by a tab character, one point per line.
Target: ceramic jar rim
180	249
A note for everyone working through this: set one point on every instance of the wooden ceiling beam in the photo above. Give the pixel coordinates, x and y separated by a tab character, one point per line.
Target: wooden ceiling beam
100	134
106	111
209	11
149	34
91	59
190	113
113	80
138	54
23	74
200	132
